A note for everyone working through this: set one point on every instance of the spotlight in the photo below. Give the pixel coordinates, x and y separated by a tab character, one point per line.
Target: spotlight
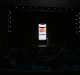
23	7
76	23
76	19
8	25
22	1
8	30
15	3
16	7
29	7
42	7
36	7
66	9
48	8
78	13
60	9
76	31
54	8
9	10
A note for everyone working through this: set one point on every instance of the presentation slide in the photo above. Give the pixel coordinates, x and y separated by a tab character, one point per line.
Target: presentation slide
42	32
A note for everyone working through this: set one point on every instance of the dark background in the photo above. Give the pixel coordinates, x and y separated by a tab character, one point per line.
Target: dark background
24	29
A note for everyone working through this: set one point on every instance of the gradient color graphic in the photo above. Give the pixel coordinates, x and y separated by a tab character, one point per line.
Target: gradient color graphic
42	30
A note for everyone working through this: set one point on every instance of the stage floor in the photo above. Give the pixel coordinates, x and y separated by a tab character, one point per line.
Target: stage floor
44	45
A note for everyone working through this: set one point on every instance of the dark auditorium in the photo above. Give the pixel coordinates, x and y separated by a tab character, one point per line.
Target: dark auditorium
40	37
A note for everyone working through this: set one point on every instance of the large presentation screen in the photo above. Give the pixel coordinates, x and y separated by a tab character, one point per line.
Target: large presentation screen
42	31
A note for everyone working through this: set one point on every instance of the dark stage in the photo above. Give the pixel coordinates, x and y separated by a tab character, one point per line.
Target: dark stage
43	45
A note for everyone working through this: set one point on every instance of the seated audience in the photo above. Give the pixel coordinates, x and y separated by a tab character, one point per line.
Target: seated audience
70	55
51	56
69	65
54	65
38	65
6	64
22	65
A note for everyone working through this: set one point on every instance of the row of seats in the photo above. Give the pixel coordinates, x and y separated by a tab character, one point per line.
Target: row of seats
47	62
28	72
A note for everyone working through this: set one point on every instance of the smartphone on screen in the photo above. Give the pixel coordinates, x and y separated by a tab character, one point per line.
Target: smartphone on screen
42	31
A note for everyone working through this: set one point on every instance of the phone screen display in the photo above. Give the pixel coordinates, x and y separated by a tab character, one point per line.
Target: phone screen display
42	31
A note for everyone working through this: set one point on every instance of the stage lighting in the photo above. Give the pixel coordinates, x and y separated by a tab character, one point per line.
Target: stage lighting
23	7
54	8
66	9
10	26
29	7
76	23
76	19
42	7
10	17
36	7
9	10
60	9
79	17
79	31
16	7
8	30
48	8
15	3
78	13
22	1
76	31
10	21
76	27
79	22
79	26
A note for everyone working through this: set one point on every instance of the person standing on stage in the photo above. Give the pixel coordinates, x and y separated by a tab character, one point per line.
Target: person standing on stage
47	41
